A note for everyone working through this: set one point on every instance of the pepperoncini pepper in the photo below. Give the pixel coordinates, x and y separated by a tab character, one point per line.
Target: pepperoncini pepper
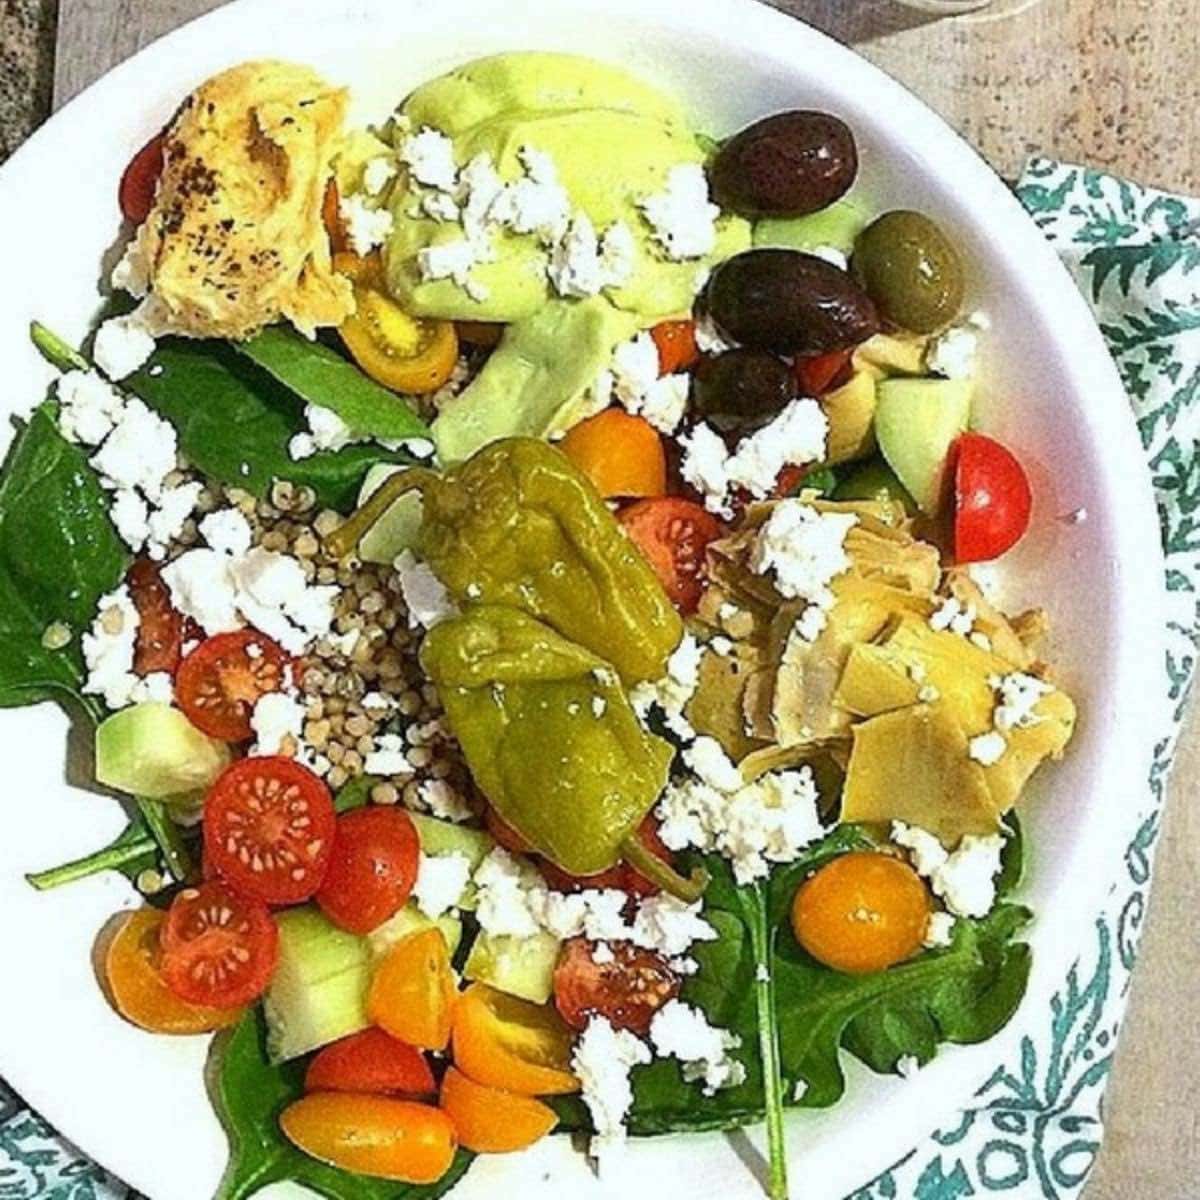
551	740
518	524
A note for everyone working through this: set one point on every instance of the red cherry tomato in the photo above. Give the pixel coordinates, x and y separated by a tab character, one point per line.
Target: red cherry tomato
218	947
219	682
673	534
676	342
821	373
269	829
622	877
160	625
371	1061
374	866
140	181
992	499
628	990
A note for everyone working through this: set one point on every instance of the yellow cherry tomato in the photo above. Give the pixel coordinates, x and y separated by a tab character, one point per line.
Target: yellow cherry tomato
510	1044
373	1135
621	454
413	993
492	1121
404	353
136	988
862	912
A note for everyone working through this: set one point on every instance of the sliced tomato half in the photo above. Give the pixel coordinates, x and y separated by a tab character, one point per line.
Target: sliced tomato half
269	826
626	984
160	625
219	683
673	534
992	498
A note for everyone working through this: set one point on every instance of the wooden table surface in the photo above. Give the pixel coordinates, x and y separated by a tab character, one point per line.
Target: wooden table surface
1113	83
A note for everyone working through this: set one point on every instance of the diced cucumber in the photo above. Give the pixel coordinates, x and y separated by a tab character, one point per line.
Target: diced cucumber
153	750
397	529
444	837
410	919
916	420
319	990
838	226
520	966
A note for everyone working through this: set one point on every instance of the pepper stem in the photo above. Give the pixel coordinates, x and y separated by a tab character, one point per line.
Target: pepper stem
344	540
643	860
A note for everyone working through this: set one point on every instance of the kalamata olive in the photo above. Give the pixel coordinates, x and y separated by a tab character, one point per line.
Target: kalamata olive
789	302
785	166
911	270
742	390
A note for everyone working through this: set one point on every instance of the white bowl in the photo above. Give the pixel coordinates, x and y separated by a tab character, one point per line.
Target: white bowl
136	1103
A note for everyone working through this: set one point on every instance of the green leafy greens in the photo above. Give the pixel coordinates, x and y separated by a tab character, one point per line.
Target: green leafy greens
250	1094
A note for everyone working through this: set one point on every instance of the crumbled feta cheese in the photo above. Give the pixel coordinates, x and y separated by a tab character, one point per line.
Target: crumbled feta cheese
704	466
121	347
927	853
327	431
108	649
670	926
441	206
130	515
1018	695
665	402
762	973
706	757
443	801
274	597
227	531
377	174
536	203
806	551
277	717
599	706
953	352
671	694
479	188
681	1031
964	879
440	882
132	272
202	588
576	266
595	913
427	600
602	1060
939	932
429	155
709	339
682	217
795	437
721	645
165	524
510	895
981	640
389	757
988	748
367	227
618	254
379	702
88	407
635	368
831	255
602	954
952	616
449	260
140	451
156	688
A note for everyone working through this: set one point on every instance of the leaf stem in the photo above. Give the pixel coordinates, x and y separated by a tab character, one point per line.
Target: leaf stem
762	940
168	835
122	853
54	350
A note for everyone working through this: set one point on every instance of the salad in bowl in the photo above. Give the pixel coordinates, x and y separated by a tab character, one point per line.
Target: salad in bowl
526	565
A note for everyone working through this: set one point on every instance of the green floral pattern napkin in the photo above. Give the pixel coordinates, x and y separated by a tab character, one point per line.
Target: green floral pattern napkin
1035	1126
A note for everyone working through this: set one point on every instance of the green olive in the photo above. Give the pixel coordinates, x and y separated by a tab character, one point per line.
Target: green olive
910	269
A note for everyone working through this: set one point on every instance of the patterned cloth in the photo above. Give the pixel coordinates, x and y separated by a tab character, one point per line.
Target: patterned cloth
1035	1127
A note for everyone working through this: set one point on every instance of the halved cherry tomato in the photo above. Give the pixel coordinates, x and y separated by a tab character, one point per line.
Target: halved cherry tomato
373	868
269	829
820	373
135	984
621	454
992	498
480	333
862	912
787	481
140	181
628	990
160	625
219	683
219	948
331	217
673	534
506	1043
623	877
404	353
676	342
413	992
504	833
370	1061
373	1135
492	1121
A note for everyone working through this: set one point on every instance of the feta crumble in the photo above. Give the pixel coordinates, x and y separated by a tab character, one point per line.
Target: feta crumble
122	345
580	265
709	339
952	616
602	1061
441	880
326	431
88	407
953	353
367	226
1017	699
671	694
681	1031
797	436
377	174
682	217
443	801
988	748
140	452
939	932
426	599
429	156
389	758
965	879
278	722
108	650
704	466
634	380
227	531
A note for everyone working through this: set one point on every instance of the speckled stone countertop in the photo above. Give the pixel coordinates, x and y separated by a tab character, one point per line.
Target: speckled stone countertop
26	68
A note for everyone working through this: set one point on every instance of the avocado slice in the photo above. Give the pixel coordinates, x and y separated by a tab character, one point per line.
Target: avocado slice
520	966
837	226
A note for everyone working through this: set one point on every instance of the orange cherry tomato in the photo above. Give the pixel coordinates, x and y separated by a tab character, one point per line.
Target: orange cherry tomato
373	1135
413	993
820	373
480	333
405	353
676	342
621	454
219	683
862	912
139	183
370	1061
506	1043
490	1121
673	534
136	988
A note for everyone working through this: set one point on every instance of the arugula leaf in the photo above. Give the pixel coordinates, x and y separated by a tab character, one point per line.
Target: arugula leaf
234	422
319	375
250	1094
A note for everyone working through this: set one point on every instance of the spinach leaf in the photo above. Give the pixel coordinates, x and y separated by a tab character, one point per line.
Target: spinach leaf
250	1094
59	553
132	853
234	422
319	375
